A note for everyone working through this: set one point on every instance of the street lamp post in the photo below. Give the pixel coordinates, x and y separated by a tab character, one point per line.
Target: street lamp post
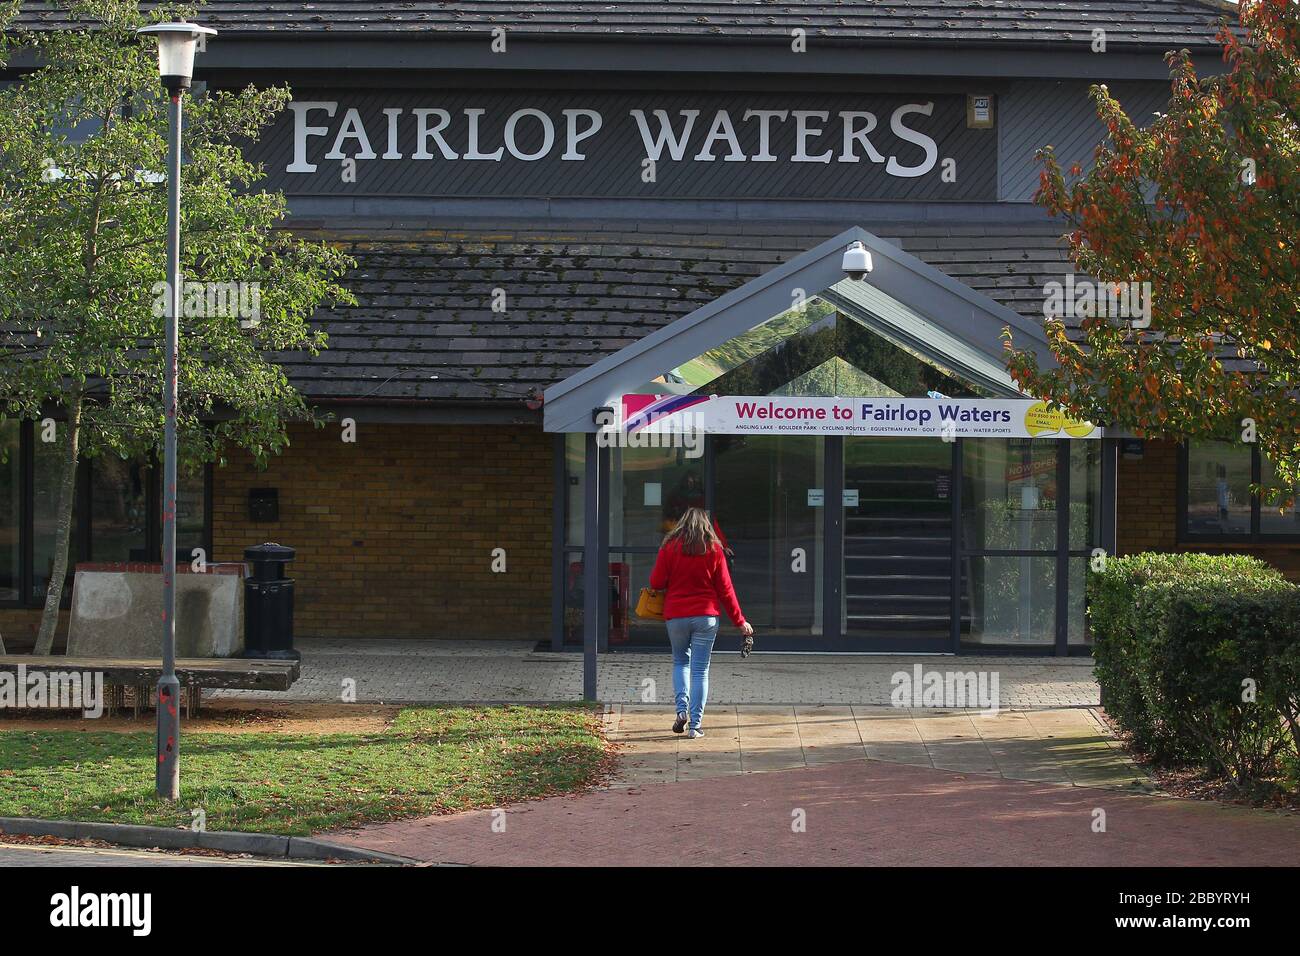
176	43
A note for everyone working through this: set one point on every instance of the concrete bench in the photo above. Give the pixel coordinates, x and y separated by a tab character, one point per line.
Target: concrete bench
194	674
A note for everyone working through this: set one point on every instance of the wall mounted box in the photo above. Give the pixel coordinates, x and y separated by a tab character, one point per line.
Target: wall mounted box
263	504
979	111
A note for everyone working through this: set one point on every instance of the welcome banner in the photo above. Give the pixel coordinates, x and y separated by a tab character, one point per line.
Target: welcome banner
782	415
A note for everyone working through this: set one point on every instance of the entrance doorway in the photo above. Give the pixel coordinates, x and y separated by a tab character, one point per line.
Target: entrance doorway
898	544
863	525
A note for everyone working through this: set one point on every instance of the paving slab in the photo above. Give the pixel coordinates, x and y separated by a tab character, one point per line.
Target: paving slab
891	734
769	739
829	734
953	742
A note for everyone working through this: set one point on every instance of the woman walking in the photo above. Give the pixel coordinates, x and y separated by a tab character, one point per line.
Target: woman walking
692	569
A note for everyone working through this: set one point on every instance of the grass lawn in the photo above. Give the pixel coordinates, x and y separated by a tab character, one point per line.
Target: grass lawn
428	760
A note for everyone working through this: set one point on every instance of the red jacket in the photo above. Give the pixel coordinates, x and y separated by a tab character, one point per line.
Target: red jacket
698	585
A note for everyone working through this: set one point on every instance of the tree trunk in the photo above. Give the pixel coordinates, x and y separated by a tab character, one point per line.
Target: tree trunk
63	532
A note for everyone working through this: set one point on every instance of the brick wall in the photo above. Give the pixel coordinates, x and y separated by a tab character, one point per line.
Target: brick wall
395	532
1147	500
1147	512
20	625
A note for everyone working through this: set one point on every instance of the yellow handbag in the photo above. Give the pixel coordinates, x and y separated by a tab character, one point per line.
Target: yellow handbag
650	605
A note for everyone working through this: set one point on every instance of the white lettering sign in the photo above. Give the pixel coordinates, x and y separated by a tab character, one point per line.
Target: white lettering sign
688	135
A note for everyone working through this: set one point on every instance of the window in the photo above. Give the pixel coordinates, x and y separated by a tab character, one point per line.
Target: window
117	516
1009	539
1215	500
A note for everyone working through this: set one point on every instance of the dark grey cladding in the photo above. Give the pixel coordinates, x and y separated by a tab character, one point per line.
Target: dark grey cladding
1149	23
424	327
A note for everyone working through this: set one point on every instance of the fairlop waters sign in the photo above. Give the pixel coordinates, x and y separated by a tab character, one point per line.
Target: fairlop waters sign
780	415
628	143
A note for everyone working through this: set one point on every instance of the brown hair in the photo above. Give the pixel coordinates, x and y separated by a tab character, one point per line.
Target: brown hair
695	532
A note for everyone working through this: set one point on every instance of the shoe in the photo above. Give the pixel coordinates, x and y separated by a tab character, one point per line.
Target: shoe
680	723
695	732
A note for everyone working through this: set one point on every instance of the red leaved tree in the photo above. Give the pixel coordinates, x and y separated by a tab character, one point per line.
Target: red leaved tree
1204	205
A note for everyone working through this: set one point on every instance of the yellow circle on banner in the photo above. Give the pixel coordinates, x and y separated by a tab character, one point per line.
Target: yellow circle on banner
1078	429
1041	420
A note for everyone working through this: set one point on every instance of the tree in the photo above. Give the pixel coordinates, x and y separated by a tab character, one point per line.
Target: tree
1204	205
82	261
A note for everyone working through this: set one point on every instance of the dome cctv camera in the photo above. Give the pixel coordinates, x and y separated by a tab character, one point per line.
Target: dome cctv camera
857	261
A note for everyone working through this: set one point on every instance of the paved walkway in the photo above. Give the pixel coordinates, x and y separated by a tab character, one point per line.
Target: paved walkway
395	671
1068	746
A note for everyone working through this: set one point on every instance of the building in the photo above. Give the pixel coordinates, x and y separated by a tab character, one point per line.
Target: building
556	205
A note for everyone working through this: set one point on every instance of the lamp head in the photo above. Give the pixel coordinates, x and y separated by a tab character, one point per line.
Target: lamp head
176	43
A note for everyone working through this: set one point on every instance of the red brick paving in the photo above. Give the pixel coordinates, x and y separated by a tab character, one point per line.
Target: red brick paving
858	813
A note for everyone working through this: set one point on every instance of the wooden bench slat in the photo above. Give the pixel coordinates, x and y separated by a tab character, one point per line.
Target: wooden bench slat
221	673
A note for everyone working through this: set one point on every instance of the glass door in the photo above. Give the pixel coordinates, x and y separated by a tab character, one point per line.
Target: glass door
766	504
898	531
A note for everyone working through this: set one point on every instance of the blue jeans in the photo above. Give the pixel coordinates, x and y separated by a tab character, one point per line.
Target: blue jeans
692	640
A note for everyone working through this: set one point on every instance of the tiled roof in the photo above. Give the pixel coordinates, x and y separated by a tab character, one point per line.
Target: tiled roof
425	328
1158	23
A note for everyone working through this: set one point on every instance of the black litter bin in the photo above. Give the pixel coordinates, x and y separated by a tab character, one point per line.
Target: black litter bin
268	603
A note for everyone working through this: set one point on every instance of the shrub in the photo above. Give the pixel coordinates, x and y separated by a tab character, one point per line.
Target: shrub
1174	636
1210	675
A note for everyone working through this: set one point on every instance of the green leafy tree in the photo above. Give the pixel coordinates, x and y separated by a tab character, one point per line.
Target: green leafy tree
83	146
1203	204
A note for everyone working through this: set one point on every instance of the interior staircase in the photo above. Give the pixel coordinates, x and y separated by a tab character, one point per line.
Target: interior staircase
898	552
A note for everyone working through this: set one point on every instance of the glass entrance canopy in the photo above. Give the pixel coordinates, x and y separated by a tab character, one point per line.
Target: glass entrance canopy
848	341
840	541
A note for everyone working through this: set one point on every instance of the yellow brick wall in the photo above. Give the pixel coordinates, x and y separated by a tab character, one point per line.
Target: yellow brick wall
1147	500
394	533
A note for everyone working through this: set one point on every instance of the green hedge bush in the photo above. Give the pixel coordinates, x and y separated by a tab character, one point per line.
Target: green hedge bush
1198	658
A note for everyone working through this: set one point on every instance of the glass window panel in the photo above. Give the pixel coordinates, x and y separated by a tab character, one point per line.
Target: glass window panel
830	344
48	471
1010	601
765	338
573	597
575	457
190	509
761	504
651	488
1079	632
833	354
1218	488
119	510
10	511
1009	494
1085	495
1275	515
628	574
